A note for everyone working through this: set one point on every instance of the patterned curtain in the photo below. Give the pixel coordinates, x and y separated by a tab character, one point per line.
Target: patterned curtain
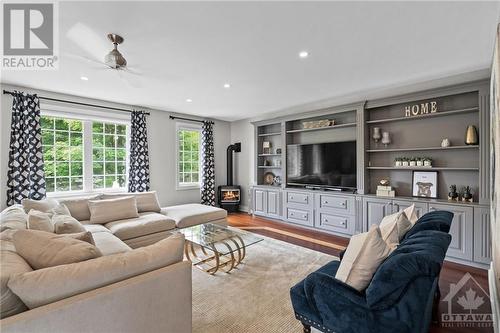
25	175
138	179
208	166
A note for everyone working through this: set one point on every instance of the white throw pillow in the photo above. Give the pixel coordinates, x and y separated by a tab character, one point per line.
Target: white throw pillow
40	221
49	285
44	205
146	201
411	214
66	224
103	211
393	228
362	257
13	217
60	209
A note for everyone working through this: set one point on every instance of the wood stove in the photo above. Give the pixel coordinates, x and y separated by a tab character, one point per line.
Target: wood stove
230	195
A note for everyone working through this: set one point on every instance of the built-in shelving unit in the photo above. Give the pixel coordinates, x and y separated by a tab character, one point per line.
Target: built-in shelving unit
271	134
320	128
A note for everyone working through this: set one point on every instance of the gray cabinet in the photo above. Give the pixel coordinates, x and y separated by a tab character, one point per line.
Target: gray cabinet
482	235
336	213
267	202
375	209
461	231
299	207
420	207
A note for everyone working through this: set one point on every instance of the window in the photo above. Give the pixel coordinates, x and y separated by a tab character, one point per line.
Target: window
77	161
188	156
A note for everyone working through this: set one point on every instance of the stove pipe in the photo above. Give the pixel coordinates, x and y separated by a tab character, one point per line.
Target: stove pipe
236	148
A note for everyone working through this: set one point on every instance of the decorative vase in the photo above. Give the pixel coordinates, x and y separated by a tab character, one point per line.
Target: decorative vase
386	139
453	194
376	134
471	137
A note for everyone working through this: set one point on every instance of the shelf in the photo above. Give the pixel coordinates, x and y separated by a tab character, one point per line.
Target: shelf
430	115
264	155
421	148
321	128
269	134
411	168
269	167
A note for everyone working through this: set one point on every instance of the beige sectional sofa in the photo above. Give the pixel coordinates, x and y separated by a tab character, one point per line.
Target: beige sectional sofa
122	291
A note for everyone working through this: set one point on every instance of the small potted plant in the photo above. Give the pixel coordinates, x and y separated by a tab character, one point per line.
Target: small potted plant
397	161
413	161
420	162
404	161
427	161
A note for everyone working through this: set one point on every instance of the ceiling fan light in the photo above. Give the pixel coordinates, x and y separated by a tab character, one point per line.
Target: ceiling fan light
114	59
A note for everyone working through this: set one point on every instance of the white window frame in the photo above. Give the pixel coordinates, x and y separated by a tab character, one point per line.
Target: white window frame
190	127
87	117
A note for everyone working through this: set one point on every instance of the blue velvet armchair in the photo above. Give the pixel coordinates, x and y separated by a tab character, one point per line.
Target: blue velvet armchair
400	297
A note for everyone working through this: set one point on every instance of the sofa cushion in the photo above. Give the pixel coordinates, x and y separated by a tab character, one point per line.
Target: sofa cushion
103	211
146	224
79	207
49	285
146	201
362	257
44	205
108	243
95	228
193	214
42	249
12	263
66	224
13	217
38	220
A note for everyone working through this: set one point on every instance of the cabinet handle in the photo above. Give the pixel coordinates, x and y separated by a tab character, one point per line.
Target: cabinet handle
304	216
325	220
291	198
305	199
342	223
342	203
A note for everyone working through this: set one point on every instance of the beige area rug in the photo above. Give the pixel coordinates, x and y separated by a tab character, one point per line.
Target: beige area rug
254	297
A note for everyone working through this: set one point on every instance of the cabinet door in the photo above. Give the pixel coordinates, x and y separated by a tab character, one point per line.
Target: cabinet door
260	202
482	235
461	230
420	207
273	204
374	210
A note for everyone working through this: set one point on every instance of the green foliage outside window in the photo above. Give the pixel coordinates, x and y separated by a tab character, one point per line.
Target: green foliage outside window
188	159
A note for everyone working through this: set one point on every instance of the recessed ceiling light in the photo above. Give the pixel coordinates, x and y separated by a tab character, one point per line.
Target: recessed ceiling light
84	78
227	85
189	100
303	54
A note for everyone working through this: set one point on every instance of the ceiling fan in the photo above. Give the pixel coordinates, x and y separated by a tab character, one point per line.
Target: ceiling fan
114	58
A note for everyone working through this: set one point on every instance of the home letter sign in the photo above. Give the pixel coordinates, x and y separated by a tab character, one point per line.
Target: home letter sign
420	109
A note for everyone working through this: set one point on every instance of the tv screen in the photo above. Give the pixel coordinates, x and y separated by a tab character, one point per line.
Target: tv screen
323	164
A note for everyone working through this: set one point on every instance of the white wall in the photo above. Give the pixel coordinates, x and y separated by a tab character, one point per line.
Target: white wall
243	131
161	137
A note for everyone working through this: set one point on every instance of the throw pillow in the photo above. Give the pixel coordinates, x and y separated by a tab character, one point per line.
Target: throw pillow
66	224
42	249
79	207
103	211
146	201
40	221
362	257
13	217
60	209
44	205
411	214
49	285
393	228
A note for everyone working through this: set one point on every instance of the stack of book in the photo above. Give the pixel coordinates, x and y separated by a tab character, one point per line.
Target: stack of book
385	191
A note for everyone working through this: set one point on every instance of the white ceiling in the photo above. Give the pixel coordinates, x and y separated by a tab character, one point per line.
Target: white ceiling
190	49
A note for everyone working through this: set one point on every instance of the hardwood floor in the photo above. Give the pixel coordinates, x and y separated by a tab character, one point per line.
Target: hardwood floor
451	272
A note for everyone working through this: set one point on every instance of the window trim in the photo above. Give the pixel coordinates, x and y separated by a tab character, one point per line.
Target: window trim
186	126
86	119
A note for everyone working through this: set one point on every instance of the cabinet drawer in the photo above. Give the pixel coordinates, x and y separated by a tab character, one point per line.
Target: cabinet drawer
298	198
338	223
299	216
336	203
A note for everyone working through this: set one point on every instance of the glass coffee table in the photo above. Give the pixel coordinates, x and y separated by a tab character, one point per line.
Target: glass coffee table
213	247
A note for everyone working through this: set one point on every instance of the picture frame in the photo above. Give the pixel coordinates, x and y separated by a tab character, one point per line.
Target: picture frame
425	184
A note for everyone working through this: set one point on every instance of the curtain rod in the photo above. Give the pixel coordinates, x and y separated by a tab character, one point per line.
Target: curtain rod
189	119
77	103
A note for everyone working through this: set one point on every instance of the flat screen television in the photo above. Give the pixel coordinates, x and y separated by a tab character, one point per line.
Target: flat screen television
331	165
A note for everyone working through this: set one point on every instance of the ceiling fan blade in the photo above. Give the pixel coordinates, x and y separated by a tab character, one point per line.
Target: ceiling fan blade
133	81
84	59
132	70
92	43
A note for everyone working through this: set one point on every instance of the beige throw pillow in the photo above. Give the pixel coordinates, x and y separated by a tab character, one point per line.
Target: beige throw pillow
79	207
103	211
49	285
393	228
40	221
60	209
13	217
42	249
146	201
362	257
411	214
44	205
66	224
